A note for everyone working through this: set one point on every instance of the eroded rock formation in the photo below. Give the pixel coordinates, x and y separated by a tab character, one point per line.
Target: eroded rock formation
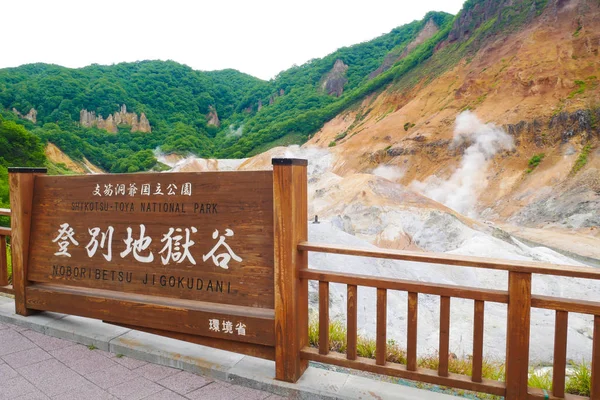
89	119
333	83
276	95
31	115
213	117
559	129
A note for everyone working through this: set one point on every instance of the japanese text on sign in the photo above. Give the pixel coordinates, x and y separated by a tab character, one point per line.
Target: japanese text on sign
145	189
176	245
226	327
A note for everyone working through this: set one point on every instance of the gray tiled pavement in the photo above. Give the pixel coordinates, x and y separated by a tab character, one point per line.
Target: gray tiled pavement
46	355
36	366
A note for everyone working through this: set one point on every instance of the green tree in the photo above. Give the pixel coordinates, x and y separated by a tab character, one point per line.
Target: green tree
18	147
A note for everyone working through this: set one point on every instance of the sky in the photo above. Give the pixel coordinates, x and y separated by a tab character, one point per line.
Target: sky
258	37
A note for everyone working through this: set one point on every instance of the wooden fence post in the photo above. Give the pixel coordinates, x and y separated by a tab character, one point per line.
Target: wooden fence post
595	379
3	261
291	292
21	182
517	335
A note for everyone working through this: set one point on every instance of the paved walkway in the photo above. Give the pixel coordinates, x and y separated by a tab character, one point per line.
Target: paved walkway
49	356
35	366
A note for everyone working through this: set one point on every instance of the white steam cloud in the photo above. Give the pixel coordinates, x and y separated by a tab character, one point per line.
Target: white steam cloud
233	132
461	190
389	172
319	160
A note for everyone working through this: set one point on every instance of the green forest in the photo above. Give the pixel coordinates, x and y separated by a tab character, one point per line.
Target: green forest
177	100
17	147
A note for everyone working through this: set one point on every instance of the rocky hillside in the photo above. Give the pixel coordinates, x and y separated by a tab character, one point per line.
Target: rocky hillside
365	210
538	83
492	112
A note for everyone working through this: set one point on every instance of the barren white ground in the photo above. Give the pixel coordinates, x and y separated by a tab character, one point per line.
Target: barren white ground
362	210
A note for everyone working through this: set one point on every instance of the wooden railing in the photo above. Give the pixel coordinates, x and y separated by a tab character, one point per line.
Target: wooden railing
5	286
518	298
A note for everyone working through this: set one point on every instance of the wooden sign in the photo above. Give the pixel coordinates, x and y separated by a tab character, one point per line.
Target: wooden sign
200	245
205	237
210	258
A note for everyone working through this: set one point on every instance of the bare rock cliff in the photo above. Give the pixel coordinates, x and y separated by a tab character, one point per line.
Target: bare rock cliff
334	81
560	129
275	95
89	119
213	117
31	115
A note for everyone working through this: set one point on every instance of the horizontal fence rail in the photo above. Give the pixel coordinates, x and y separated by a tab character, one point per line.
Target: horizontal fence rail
5	278
462	261
518	299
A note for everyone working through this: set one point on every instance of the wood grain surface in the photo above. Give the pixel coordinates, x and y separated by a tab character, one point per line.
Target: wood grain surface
464	292
530	267
421	374
595	378
250	349
381	338
21	198
478	326
323	317
291	291
560	353
3	261
236	207
411	331
517	335
444	352
351	322
184	316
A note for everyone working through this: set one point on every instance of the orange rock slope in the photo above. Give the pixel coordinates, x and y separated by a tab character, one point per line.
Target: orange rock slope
550	66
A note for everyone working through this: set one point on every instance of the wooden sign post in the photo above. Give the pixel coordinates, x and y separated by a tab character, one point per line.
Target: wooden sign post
210	258
21	182
291	301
